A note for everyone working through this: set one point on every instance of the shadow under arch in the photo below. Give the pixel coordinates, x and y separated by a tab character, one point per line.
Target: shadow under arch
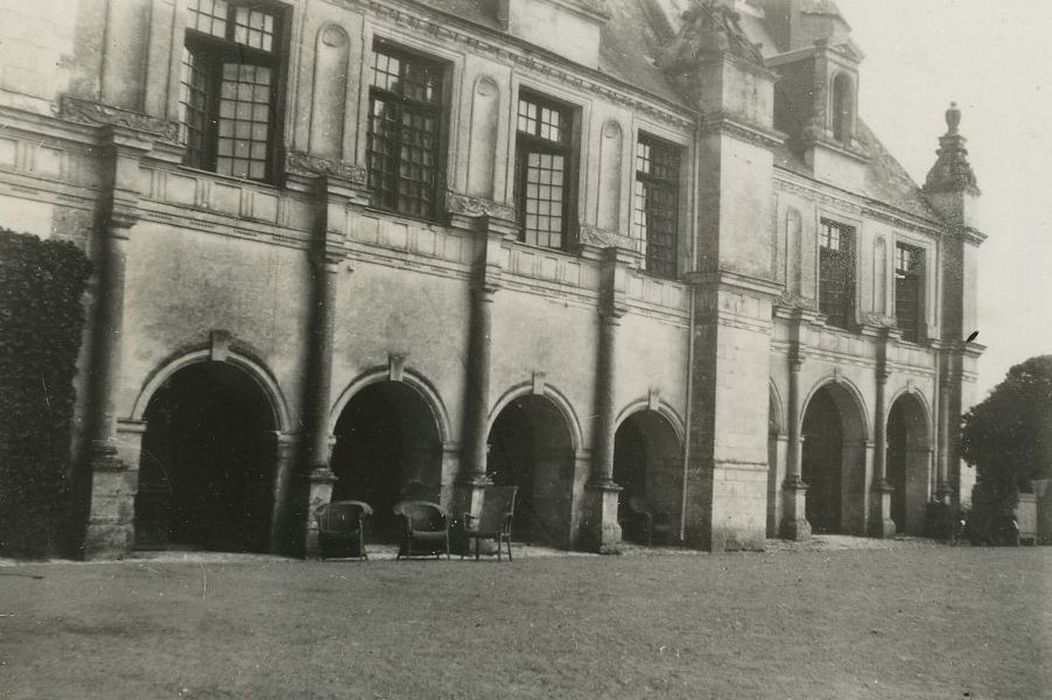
389	436
648	466
411	379
209	460
908	461
254	369
533	442
834	432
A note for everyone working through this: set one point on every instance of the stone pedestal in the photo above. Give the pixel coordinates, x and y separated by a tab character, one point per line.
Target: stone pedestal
319	492
881	525
794	519
601	532
110	526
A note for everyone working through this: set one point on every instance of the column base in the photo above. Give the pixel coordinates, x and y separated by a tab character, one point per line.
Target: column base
110	527
795	526
881	526
600	531
467	498
319	492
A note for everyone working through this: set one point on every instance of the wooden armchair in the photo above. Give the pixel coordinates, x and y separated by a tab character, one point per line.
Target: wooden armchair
424	529
494	523
341	529
647	524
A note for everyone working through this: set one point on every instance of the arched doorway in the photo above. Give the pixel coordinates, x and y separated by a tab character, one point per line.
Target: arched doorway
387	449
833	462
206	471
648	468
530	446
908	464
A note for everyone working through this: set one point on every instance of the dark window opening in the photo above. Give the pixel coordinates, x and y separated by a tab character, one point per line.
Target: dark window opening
228	105
909	286
543	171
843	109
656	203
836	276
405	132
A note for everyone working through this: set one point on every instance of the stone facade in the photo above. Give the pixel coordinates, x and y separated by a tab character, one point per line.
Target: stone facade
559	368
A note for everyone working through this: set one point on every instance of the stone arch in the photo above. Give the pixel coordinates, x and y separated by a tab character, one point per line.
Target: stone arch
850	394
211	465
533	443
390	434
908	460
842	107
834	434
662	408
549	392
648	466
414	380
254	368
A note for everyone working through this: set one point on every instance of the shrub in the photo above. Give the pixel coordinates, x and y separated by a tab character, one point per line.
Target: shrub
1008	437
41	319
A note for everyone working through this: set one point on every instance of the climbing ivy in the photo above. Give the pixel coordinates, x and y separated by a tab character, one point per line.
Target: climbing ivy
41	318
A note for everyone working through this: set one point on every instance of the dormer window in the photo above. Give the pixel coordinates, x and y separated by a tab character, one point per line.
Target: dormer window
843	109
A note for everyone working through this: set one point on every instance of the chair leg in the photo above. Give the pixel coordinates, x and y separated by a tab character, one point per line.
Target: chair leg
500	552
508	540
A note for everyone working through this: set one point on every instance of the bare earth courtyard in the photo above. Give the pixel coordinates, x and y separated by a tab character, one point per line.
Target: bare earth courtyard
899	620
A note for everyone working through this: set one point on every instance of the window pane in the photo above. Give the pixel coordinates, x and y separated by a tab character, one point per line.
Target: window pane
403	134
193	106
248	115
836	277
656	204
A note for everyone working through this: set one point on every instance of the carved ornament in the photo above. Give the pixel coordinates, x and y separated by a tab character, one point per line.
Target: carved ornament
306	164
603	238
82	111
457	203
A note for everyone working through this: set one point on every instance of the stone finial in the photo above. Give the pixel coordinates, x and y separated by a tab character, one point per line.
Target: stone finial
953	119
709	28
952	172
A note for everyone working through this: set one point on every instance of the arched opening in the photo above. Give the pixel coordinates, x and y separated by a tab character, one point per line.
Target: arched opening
387	450
843	108
206	471
908	464
833	462
530	446
647	467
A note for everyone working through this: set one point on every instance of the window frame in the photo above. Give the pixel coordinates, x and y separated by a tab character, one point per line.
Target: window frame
673	187
215	51
439	109
847	246
526	143
917	272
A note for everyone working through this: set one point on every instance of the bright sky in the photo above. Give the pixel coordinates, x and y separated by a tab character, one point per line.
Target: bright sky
991	58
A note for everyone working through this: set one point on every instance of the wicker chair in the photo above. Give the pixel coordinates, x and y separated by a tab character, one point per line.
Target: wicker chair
424	527
498	508
341	529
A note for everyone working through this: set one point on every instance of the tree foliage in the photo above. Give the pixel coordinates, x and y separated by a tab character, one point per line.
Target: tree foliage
1008	437
41	317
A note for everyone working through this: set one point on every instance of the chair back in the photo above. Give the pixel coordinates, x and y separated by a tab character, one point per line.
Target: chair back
498	506
342	516
422	516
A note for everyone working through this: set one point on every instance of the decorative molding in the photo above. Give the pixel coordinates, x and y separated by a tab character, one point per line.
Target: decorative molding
83	111
718	122
589	234
219	346
506	49
301	163
396	366
457	203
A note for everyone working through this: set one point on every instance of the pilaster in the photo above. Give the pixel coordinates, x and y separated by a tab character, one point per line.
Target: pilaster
794	524
880	523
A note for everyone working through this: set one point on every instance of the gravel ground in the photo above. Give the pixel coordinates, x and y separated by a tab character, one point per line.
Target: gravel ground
837	618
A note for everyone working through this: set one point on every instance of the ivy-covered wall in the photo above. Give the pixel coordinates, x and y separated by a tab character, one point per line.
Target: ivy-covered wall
41	319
